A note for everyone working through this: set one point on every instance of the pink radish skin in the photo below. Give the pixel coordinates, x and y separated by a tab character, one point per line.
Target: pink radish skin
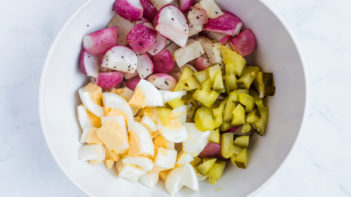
129	9
162	81
228	24
172	24
109	80
150	10
145	66
141	38
225	39
120	58
160	43
244	43
89	64
185	5
97	43
231	130
211	150
132	83
163	62
124	26
128	76
201	63
197	16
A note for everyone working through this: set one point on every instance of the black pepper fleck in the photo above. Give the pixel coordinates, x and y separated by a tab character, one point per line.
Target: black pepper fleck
172	19
216	12
122	57
197	17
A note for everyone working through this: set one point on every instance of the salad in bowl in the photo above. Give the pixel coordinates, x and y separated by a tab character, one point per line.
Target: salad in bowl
170	96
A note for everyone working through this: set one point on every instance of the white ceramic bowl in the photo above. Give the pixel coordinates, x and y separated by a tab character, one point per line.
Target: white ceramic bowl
61	78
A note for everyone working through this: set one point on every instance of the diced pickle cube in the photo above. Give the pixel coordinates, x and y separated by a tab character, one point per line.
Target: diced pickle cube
218	113
216	172
261	124
225	126
227	145
247	100
252	117
214	137
176	103
234	63
218	81
206	165
228	111
246	128
196	161
201	76
241	160
238	115
204	119
248	77
242	141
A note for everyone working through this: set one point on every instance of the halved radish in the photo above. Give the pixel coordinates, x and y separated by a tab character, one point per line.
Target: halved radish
128	76
195	29
160	43
228	24
145	66
98	42
185	5
163	61
109	80
201	63
120	58
132	83
197	16
150	10
160	3
244	43
225	39
89	64
129	9
212	9
188	53
162	81
141	38
124	26
171	23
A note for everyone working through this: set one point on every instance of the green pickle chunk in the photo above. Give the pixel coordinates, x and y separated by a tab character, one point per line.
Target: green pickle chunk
216	172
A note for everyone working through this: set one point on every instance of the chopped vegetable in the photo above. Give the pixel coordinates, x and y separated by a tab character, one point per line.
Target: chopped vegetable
244	43
187	81
205	167
175	103
216	171
145	66
163	61
248	76
188	53
211	150
228	110
109	80
141	38
242	141
201	63
120	58
238	115
228	24
97	43
185	5
234	62
89	64
204	95
204	119
124	26
247	101
241	160
162	81
132	83
252	117
246	128
212	50
214	137
211	8
150	10
227	146
129	9
218	114
261	124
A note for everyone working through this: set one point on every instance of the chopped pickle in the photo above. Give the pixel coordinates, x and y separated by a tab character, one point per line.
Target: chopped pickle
246	128
252	117
228	111
227	145
241	160
218	113
204	95
205	167
176	103
259	84
235	62
191	84
216	172
204	119
218	81
254	94
242	141
261	124
248	77
212	70
214	137
230	82
268	83
233	96
190	111
247	100
186	81
225	126
236	149
201	76
164	114
238	115
196	161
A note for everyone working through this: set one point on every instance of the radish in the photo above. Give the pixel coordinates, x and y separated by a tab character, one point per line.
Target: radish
188	53
160	3
244	43
109	80
124	26
212	9
141	38
197	16
120	58
171	23
195	29
128	76
172	47
185	5
201	63
163	61
150	10
89	64
129	9
145	66
225	39
132	83
211	150
216	36
160	44
228	24
98	42
162	81
212	50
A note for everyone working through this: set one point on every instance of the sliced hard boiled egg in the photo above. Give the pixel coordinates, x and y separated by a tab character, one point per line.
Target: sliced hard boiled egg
181	113
165	158
171	95
125	92
161	142
83	118
89	103
171	127
140	140
114	101
91	152
189	177
139	161
149	124
128	170
89	136
149	179
184	158
196	141
145	94
172	183
95	92
120	121
132	179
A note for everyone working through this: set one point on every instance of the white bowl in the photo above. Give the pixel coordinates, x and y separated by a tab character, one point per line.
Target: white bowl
61	78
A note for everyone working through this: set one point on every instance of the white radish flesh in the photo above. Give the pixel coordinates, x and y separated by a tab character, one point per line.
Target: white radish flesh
89	64
120	58
98	42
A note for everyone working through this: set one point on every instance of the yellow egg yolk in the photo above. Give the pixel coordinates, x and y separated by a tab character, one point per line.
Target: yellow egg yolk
160	142
138	99
92	137
112	135
123	92
95	120
134	144
114	112
95	93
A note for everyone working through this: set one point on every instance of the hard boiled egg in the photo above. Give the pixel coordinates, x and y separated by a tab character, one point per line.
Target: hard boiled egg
92	152
89	103
145	94
184	158
128	170
140	140
189	177
181	113
171	95
122	131
83	118
149	124
165	158
89	136
181	176
125	92
114	101
139	161
196	141
149	179
171	127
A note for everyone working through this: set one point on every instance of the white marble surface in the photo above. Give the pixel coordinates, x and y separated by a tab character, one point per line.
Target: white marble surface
319	164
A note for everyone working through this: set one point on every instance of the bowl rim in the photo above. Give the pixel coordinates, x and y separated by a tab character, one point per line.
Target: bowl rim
58	37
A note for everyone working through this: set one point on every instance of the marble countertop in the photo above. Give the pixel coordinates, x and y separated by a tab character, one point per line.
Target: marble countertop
319	164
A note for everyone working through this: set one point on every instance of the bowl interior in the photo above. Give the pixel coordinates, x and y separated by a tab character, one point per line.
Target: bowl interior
61	78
